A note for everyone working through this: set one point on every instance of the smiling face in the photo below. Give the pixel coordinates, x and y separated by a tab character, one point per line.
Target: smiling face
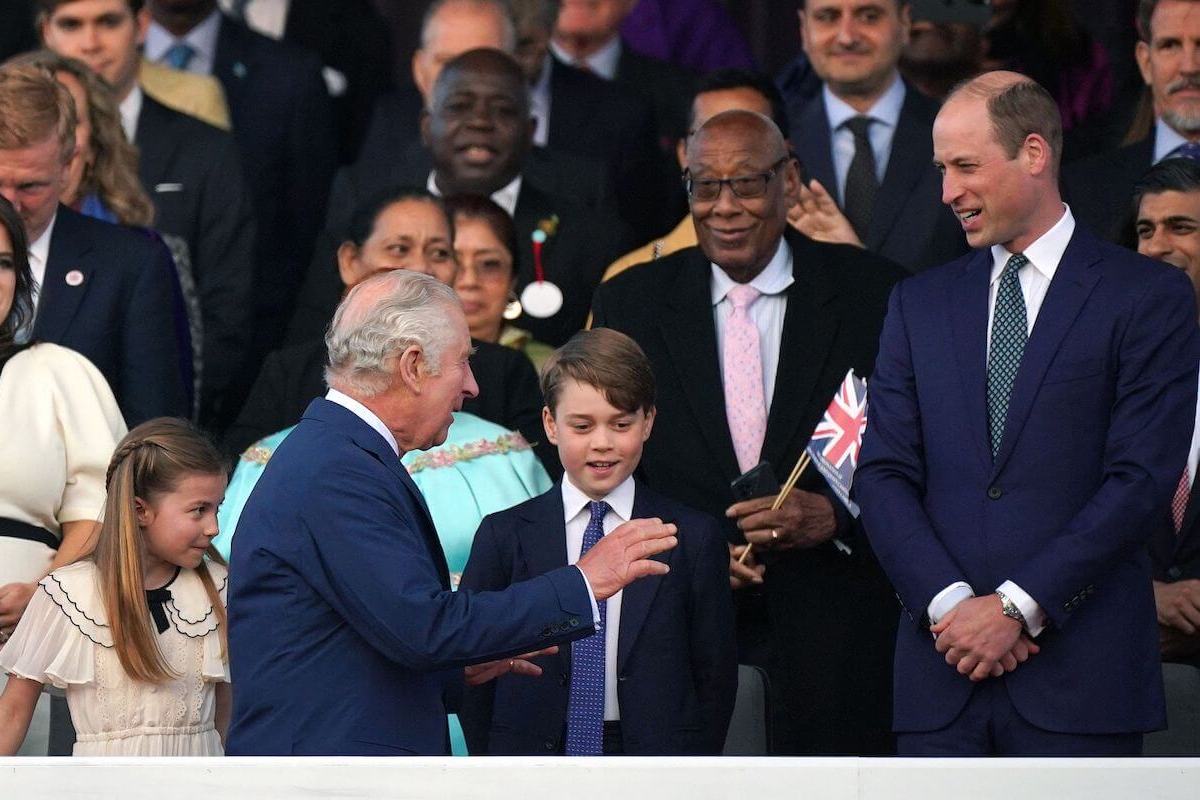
854	45
740	235
599	445
478	129
485	276
1168	228
1170	64
178	525
411	234
104	34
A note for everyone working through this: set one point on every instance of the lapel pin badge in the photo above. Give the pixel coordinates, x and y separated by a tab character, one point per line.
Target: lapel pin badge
239	69
74	278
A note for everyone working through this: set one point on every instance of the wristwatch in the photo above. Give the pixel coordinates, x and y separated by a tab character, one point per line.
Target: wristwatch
1010	610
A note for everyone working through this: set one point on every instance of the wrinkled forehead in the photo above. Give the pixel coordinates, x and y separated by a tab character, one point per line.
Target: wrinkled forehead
737	141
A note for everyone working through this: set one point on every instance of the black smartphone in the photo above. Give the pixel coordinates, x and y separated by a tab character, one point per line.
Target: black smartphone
758	481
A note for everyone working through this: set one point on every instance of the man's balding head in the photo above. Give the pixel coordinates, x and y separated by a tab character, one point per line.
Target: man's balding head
1017	106
478	128
451	28
740	179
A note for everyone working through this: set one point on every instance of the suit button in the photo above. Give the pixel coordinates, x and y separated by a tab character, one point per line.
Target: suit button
1174	572
548	746
620	678
994	493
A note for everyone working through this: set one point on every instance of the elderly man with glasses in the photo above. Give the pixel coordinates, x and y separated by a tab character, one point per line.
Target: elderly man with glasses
750	335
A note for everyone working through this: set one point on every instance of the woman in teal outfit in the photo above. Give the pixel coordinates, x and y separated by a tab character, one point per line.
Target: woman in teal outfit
481	468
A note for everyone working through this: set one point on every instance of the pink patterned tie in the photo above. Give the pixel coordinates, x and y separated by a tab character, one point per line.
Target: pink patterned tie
741	367
1179	501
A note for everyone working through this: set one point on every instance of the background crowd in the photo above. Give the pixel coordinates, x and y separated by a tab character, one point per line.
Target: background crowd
194	186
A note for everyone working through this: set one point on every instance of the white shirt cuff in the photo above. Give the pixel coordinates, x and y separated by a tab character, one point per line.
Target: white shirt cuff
592	598
1035	618
945	600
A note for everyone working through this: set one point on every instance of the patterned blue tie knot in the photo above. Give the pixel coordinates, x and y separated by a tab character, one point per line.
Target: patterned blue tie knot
1186	150
179	55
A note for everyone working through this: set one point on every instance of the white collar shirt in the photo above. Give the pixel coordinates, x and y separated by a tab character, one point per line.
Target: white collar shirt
539	103
767	312
602	63
39	255
1044	255
885	112
576	514
268	17
505	196
202	38
131	111
366	415
1166	140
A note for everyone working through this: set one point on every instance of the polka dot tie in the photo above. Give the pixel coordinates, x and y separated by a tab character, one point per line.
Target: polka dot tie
1009	334
742	371
585	708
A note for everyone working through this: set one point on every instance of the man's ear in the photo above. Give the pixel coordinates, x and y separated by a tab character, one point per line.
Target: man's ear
348	264
1036	151
1142	54
650	417
410	369
681	153
423	120
142	21
550	426
420	75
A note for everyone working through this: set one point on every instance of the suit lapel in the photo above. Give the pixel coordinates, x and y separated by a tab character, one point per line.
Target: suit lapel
816	144
544	544
233	62
968	310
156	142
60	299
1073	282
810	328
908	163
637	597
690	334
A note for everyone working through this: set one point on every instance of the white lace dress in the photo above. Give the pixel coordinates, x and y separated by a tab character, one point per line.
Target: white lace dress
64	639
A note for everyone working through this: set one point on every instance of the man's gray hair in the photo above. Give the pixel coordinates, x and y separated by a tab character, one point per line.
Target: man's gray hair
380	318
501	6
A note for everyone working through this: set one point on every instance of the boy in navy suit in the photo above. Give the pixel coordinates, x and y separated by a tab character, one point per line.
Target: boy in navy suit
661	674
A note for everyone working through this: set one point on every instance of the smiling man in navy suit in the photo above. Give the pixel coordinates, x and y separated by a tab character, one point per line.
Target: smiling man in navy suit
1025	436
103	290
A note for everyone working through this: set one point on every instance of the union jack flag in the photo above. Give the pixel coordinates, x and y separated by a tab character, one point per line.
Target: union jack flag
837	440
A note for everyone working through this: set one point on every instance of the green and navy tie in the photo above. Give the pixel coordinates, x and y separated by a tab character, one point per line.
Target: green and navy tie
1009	334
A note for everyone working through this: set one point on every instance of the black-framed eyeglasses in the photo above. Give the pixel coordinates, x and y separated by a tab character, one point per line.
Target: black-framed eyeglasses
745	187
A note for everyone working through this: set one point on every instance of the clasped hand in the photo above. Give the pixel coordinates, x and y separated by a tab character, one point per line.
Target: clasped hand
979	641
14	597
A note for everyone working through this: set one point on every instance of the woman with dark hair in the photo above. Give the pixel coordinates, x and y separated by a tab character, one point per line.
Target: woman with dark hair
61	425
485	240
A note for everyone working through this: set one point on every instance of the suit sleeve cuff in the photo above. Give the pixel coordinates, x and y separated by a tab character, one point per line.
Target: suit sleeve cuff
591	599
944	601
1035	617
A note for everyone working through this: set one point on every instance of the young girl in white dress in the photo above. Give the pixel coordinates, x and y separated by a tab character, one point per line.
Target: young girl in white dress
135	634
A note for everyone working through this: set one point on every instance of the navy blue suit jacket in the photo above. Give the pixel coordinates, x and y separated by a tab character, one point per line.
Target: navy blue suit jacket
1090	456
676	652
119	315
344	636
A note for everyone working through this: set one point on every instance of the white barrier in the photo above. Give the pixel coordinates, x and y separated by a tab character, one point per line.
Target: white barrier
600	779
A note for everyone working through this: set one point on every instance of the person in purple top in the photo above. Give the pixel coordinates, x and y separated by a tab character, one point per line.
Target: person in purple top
697	34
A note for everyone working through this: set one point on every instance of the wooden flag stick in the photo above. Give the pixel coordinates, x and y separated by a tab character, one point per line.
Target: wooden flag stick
797	471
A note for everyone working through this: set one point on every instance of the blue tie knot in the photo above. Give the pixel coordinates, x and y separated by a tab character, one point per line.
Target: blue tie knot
1186	150
179	55
599	510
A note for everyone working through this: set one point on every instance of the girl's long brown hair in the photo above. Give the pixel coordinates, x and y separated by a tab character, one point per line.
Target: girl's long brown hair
152	459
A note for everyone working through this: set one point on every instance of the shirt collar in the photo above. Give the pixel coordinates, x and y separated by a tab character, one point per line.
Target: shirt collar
505	196
603	62
131	110
774	279
1166	139
620	499
40	247
886	108
1045	253
203	38
365	414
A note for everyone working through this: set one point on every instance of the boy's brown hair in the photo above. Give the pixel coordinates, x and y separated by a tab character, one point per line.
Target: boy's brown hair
605	359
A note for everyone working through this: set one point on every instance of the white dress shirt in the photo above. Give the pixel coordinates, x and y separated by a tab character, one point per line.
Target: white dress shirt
885	112
1166	139
603	62
1044	256
539	103
767	312
577	514
366	415
202	38
268	17
131	110
505	196
39	254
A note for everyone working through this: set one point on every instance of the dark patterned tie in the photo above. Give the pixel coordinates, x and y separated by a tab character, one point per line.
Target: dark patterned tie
1009	333
1186	150
861	182
585	709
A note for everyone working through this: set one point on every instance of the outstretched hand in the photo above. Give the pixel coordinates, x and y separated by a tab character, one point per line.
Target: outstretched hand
623	556
817	216
477	674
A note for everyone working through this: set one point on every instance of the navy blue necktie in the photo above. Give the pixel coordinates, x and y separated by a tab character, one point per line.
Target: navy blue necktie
861	182
1009	333
1186	150
585	709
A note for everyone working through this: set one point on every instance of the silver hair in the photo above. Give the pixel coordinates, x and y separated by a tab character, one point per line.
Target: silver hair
380	318
501	6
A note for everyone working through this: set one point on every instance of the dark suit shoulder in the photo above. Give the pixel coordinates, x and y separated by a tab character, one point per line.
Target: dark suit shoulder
132	248
156	114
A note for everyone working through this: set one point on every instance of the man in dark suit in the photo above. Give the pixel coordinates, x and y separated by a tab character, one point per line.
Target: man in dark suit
1167	203
344	635
1023	441
476	141
104	291
821	620
1098	188
190	170
865	137
283	125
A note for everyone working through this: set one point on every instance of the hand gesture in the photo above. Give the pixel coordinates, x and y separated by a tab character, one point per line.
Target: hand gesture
746	573
817	216
804	520
477	674
623	556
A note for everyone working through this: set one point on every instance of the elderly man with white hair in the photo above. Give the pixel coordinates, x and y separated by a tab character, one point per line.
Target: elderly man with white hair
344	636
